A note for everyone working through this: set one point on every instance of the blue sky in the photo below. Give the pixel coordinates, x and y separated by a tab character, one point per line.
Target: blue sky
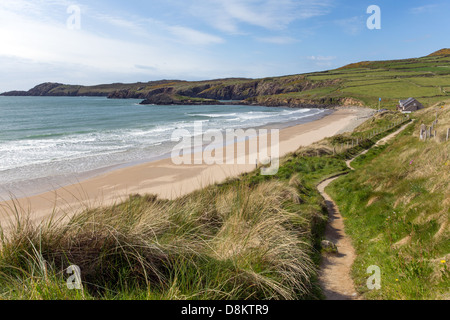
143	40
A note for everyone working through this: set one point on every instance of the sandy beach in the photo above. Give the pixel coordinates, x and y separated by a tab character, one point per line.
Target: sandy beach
168	180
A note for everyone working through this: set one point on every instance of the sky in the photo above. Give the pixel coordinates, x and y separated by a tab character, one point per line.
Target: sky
107	41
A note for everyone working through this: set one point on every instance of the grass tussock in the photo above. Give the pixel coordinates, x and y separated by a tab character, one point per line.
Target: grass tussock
223	242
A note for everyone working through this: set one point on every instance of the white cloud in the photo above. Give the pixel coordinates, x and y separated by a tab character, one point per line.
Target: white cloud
277	40
321	58
192	36
120	22
155	29
323	61
423	9
353	26
32	37
268	14
126	46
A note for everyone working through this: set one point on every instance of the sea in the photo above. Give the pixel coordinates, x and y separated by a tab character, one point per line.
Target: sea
50	142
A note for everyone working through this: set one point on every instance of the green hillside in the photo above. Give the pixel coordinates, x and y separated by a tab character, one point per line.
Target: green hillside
427	79
396	207
360	84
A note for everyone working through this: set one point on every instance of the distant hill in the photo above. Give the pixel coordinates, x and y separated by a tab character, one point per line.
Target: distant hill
442	52
360	84
59	89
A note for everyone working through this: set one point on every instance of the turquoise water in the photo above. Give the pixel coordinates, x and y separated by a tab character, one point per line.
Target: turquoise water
47	140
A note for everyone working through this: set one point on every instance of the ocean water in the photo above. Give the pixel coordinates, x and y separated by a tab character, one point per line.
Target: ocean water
47	142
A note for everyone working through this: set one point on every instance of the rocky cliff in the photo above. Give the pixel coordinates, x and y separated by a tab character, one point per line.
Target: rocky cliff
268	92
228	90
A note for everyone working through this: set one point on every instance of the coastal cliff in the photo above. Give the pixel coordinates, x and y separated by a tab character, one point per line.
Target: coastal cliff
228	89
357	84
174	92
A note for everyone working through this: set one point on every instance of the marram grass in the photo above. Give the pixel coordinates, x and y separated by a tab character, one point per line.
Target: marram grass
228	242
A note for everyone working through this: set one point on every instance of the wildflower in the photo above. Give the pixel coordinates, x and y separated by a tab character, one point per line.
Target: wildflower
443	261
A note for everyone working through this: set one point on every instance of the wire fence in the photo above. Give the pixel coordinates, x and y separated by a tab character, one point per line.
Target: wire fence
433	133
355	142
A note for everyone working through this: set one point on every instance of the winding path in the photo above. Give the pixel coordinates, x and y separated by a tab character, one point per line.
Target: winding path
335	269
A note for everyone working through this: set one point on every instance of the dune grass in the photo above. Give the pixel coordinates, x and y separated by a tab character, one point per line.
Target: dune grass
224	242
251	237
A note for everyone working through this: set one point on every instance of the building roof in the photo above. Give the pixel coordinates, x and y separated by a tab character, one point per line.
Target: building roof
407	102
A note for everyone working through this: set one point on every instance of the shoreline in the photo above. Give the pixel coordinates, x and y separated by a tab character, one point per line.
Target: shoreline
37	186
169	181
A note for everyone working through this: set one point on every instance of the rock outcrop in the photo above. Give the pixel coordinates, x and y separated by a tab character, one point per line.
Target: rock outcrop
172	99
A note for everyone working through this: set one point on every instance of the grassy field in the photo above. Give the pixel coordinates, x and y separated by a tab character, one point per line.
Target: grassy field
366	82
